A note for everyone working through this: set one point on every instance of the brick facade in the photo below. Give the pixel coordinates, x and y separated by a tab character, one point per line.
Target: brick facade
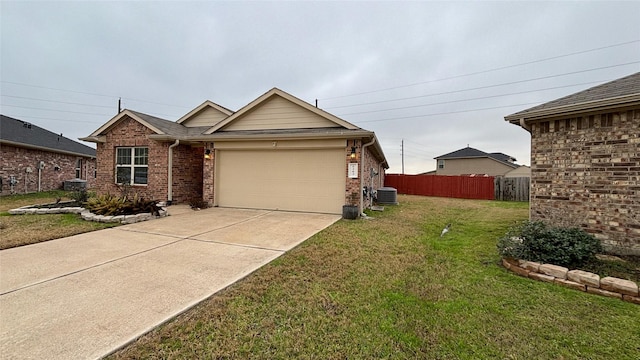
208	175
187	164
585	171
353	187
58	168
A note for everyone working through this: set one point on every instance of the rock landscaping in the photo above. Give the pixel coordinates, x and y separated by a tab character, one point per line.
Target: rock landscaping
88	215
625	290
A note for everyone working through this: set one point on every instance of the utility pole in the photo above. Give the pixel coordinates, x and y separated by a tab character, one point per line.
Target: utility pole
402	152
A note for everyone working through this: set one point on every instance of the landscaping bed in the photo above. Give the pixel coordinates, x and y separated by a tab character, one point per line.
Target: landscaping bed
30	229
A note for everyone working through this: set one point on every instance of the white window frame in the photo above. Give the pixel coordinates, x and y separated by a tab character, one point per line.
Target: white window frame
135	160
441	164
79	168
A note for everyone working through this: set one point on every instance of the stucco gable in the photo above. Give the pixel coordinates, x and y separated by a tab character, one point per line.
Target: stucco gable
277	109
206	114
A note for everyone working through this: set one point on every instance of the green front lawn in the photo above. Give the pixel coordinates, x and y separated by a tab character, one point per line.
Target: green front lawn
392	288
18	230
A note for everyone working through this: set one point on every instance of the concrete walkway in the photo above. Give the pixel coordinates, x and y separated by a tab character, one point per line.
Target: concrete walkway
83	296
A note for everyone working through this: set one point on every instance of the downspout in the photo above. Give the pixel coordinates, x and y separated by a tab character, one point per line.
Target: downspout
170	172
362	152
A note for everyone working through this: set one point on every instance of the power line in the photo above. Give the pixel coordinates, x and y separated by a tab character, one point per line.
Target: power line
92	94
54	119
471	99
65	111
55	101
487	86
447	113
484	71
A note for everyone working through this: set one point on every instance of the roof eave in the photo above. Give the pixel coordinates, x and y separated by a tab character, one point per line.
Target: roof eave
566	110
94	139
126	112
244	137
43	148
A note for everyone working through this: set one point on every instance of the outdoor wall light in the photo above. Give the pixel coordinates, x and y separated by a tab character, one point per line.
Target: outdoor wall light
353	152
207	154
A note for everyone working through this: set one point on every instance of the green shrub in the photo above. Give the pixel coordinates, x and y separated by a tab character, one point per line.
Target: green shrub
536	241
110	205
80	196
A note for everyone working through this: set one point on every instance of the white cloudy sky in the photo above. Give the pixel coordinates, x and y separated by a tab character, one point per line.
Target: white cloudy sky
440	75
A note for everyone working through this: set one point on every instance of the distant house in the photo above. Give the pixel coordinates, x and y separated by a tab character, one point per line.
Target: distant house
35	159
585	161
470	161
277	152
520	171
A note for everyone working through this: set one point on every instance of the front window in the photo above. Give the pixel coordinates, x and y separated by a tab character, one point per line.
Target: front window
79	169
132	165
440	164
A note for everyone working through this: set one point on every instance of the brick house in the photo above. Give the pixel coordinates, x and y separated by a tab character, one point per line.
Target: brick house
35	159
277	152
585	162
470	161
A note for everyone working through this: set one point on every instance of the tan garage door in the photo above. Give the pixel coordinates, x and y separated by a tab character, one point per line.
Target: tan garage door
295	180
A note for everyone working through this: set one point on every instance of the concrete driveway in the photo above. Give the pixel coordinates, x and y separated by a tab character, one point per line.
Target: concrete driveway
83	296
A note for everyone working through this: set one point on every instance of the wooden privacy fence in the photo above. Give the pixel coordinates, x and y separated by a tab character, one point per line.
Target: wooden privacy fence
512	189
463	187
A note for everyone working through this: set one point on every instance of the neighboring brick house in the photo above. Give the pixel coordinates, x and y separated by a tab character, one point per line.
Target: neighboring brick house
277	152
34	159
585	162
470	161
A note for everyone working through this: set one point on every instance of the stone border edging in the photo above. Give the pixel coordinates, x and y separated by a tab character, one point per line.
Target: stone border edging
88	215
625	290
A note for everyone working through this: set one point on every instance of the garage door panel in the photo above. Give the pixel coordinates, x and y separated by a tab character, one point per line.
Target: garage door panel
297	180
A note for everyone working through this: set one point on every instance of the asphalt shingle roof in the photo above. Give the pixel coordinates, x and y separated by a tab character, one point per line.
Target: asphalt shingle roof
627	85
470	152
23	132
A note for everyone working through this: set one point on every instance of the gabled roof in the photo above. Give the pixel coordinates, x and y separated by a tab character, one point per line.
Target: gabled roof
166	130
277	92
201	107
158	125
469	153
621	92
21	133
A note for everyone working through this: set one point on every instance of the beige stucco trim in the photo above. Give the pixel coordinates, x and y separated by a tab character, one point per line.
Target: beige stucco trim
596	105
219	139
114	120
277	92
249	137
282	144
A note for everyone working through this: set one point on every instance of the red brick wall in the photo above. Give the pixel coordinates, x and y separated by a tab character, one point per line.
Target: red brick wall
187	164
352	191
208	175
58	168
353	188
588	175
187	173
